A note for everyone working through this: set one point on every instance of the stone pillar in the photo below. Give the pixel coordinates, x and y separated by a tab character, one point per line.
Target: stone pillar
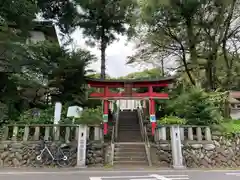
190	133
96	133
163	133
199	133
81	146
208	136
182	134
176	148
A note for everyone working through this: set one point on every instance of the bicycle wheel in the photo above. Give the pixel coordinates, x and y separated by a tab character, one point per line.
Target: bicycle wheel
64	157
37	159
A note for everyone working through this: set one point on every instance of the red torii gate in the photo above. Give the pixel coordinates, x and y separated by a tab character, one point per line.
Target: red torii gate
128	85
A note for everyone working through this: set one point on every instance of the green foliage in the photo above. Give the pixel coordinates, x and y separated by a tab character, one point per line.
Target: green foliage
36	116
90	116
46	116
154	73
228	128
3	113
99	20
171	120
16	19
63	71
97	76
197	107
200	34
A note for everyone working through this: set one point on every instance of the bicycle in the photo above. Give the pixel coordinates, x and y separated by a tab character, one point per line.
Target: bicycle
46	155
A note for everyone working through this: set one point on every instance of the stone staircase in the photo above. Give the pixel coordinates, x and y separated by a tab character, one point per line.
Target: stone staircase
128	127
130	154
129	148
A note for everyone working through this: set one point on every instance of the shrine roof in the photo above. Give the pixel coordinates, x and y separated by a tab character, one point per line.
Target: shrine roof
164	79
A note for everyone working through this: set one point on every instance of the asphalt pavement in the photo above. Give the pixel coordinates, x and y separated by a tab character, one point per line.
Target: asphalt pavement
86	174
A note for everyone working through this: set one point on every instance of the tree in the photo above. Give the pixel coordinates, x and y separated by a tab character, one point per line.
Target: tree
64	72
16	18
100	20
197	107
193	31
154	73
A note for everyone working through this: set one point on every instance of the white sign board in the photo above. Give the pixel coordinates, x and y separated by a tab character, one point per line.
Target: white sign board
74	111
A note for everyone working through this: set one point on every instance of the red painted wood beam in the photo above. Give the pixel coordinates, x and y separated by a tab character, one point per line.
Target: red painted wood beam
147	85
134	95
121	85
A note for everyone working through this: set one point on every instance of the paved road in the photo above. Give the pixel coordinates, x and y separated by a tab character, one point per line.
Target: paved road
85	174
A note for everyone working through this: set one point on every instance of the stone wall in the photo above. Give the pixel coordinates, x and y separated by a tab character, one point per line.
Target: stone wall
23	154
220	153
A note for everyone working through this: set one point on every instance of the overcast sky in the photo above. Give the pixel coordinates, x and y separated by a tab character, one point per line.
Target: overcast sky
116	55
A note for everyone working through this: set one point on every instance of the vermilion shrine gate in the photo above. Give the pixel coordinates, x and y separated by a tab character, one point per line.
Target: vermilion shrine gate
106	94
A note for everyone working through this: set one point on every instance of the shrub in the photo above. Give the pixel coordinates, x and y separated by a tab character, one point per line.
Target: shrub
90	116
171	120
37	116
46	116
3	113
228	127
197	107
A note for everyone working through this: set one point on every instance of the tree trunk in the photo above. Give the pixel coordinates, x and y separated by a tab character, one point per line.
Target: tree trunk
228	62
191	40
162	66
103	59
192	46
103	51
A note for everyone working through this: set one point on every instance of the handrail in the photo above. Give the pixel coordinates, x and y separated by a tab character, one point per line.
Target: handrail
114	132
112	146
117	122
145	136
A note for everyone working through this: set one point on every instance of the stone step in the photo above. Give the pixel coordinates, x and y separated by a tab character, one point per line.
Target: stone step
129	149
130	163
130	158
129	132
132	131
130	135
128	123
127	140
128	115
123	130
129	154
129	127
130	145
130	139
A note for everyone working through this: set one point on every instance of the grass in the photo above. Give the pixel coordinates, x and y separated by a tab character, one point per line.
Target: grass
229	127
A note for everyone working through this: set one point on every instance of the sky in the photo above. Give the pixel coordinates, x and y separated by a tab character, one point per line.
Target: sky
116	55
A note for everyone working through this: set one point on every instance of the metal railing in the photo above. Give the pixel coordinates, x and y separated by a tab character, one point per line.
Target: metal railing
114	134
145	136
112	146
116	122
